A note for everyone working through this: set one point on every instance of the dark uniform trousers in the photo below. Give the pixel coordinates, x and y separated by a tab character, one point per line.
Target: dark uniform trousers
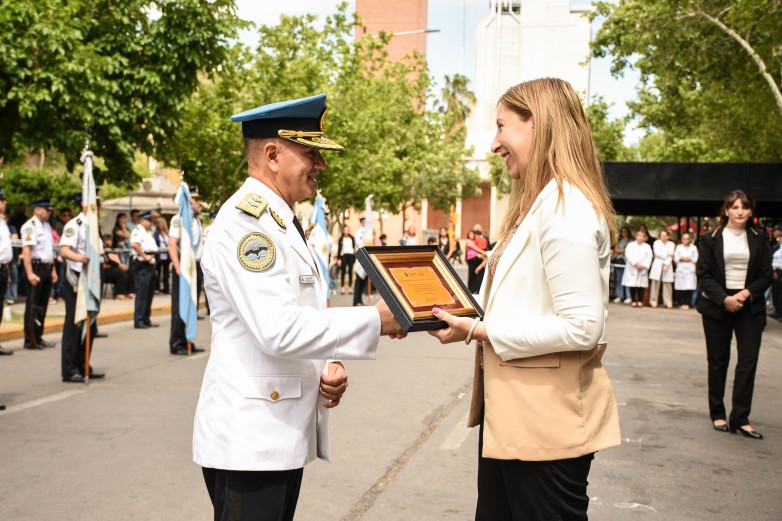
73	349
253	495
748	328
177	340
145	279
37	301
3	287
532	490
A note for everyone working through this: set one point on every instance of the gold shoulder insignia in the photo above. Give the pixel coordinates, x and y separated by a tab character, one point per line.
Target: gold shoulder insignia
277	219
253	204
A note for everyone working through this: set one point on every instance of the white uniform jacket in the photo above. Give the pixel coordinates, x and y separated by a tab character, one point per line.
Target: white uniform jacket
637	254
685	278
663	256
259	407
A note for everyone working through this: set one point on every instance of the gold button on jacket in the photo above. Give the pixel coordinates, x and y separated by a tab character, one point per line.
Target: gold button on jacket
275	396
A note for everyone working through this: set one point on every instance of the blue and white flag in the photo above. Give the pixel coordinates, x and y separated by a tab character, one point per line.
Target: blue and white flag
188	307
89	291
319	239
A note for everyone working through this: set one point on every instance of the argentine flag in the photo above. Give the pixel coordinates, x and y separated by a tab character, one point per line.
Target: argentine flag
89	291
188	308
319	239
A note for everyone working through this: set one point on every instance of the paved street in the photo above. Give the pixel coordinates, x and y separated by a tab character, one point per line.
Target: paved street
119	448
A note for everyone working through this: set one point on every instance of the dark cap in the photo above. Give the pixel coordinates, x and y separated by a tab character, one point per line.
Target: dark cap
146	215
41	203
299	120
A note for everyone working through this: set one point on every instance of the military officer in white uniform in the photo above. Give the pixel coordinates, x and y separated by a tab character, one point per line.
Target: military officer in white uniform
144	249
263	410
38	261
177	341
73	248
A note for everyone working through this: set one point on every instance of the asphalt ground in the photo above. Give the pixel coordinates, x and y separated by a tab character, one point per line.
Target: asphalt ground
120	448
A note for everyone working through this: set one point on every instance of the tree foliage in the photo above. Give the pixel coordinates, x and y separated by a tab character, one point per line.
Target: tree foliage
116	72
23	185
397	147
708	70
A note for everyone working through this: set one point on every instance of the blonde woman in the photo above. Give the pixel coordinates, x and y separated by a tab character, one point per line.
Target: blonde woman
541	396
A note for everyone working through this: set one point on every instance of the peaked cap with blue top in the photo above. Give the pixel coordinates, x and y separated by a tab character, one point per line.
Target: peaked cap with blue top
299	120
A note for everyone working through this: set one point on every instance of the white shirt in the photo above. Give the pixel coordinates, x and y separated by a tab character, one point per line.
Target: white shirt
141	236
776	259
196	233
38	236
74	234
6	250
735	250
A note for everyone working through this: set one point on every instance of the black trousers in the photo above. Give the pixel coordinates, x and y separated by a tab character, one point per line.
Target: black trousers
346	267
145	280
73	348
253	496
748	329
114	275
162	276
514	490
177	339
37	302
474	280
3	287
359	290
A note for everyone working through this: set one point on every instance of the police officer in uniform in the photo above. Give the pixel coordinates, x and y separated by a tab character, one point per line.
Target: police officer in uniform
177	342
263	409
38	260
144	249
73	248
6	255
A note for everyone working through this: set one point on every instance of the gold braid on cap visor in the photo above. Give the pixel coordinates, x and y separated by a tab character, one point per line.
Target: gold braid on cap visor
310	138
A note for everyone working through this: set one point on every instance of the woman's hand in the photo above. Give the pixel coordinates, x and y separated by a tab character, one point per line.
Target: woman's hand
457	329
734	303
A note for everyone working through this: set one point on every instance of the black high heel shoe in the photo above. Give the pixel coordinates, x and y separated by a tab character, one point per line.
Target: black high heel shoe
755	435
722	428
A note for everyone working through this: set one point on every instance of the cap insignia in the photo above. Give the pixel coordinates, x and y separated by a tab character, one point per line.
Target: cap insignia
256	252
253	204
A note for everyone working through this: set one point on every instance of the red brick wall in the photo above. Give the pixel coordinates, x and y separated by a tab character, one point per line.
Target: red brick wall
477	210
395	16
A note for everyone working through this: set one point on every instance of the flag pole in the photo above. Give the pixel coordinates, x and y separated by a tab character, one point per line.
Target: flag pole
87	340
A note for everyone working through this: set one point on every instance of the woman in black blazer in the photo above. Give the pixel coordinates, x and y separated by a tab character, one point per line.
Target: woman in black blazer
734	270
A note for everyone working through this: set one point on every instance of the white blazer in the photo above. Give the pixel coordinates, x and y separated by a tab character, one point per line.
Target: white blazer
550	290
259	407
637	254
663	256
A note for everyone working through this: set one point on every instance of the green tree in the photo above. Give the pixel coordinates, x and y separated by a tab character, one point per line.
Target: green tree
608	133
710	74
397	149
116	72
23	185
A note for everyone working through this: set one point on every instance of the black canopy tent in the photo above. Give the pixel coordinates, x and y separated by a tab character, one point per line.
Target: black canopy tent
692	189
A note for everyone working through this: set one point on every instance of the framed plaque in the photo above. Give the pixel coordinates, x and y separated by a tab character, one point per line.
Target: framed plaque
414	279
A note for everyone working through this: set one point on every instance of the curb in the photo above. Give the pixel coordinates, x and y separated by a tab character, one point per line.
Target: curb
109	317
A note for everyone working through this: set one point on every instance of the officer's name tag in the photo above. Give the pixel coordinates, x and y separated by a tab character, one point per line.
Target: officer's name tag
307	279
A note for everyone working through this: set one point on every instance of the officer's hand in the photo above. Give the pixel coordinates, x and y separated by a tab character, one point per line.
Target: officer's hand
85	259
34	279
333	385
54	277
388	323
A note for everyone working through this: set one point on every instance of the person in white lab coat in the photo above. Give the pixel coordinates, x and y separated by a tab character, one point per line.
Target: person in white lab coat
684	281
636	276
271	378
661	272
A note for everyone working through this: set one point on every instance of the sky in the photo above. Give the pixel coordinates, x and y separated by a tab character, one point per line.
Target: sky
452	49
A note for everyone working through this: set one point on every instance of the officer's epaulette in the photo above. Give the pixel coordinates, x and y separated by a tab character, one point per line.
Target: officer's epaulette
253	204
78	221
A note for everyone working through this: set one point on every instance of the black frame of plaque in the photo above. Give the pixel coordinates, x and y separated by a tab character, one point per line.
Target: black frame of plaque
408	323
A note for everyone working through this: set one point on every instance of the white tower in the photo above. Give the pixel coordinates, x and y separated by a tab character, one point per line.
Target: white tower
522	40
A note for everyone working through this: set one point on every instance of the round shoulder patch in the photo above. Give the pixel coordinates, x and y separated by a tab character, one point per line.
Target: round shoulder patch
69	232
256	252
175	221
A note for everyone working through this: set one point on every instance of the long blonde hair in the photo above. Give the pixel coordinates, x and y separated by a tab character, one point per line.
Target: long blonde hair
562	148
